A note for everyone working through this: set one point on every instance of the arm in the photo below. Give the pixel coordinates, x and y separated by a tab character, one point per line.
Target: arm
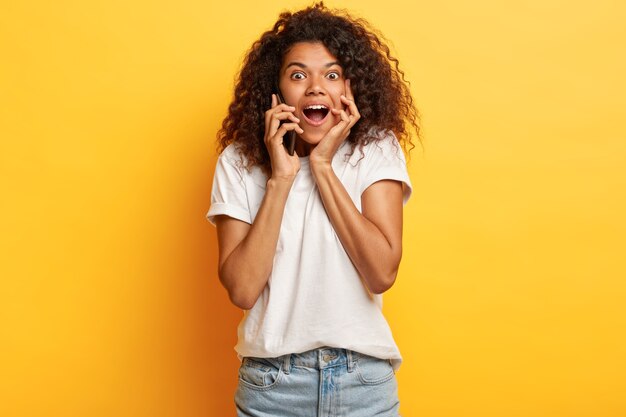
373	239
246	252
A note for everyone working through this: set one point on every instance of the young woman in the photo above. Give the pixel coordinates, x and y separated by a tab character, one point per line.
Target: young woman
309	241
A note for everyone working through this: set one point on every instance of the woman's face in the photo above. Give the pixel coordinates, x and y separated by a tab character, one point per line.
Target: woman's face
312	81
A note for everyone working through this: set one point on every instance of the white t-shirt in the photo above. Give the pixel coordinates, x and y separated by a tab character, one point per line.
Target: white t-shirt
314	296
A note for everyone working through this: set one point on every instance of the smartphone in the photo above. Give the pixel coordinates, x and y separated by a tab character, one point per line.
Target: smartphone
289	140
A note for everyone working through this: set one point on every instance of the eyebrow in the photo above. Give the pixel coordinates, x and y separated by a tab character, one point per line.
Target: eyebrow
301	65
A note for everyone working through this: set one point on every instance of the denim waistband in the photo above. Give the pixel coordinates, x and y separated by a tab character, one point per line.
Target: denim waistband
321	358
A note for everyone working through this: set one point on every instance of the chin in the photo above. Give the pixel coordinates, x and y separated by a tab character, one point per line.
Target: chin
312	138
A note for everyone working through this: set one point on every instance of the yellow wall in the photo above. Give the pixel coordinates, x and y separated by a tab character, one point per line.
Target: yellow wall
510	300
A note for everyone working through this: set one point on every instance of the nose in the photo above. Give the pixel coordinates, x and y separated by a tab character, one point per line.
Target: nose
315	87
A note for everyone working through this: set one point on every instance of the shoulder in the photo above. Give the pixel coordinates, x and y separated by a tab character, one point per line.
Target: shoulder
381	144
232	159
383	159
384	143
233	156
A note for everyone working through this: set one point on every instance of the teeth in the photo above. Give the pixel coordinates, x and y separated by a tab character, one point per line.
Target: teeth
316	107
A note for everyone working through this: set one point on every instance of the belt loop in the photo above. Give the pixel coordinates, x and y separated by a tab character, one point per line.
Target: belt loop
350	361
287	363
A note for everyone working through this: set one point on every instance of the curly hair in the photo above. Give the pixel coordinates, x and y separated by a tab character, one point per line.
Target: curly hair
380	89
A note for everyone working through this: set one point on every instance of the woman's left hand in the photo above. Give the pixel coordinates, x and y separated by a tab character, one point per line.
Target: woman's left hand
323	153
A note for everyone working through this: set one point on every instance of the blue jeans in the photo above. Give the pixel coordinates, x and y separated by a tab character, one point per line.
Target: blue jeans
322	382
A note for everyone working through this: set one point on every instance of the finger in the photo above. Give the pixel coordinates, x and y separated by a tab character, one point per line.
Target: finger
279	137
274	116
278	108
351	106
285	107
344	122
338	112
347	121
351	120
278	117
343	116
286	115
349	94
283	129
354	115
274	100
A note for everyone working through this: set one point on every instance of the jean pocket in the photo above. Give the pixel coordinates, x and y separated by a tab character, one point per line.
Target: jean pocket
260	373
373	371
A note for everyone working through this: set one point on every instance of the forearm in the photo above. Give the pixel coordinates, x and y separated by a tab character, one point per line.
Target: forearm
246	270
373	255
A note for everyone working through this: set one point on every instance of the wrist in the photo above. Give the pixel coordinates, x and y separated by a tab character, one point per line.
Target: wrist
280	183
321	169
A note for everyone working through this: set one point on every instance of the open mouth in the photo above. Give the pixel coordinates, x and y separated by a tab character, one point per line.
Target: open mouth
315	114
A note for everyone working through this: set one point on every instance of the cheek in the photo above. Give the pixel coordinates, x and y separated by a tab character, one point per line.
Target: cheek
289	93
288	96
337	98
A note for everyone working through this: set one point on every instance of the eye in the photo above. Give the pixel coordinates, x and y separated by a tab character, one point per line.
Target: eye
297	76
334	75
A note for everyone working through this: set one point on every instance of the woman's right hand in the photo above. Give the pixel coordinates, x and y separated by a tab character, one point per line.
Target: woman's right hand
284	166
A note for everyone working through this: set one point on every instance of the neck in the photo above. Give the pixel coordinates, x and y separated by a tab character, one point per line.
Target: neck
303	148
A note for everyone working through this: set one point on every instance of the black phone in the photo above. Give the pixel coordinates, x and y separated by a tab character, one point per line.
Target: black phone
289	140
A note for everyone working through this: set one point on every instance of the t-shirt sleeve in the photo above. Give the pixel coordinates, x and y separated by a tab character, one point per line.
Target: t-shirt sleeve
228	195
385	161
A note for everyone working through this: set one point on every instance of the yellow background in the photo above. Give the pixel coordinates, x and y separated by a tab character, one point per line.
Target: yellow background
511	296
